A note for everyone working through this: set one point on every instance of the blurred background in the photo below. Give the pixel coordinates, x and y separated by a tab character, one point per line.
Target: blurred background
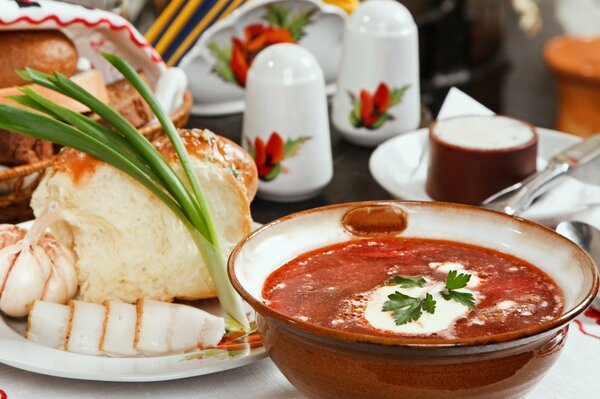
492	49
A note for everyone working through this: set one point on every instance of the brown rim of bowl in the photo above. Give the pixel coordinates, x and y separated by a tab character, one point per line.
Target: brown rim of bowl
338	335
530	142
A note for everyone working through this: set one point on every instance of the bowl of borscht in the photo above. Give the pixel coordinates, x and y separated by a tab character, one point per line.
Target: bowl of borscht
390	299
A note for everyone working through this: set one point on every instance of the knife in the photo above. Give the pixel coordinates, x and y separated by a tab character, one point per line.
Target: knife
518	197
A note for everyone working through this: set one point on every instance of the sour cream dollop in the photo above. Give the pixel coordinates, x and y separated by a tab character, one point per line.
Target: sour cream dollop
447	312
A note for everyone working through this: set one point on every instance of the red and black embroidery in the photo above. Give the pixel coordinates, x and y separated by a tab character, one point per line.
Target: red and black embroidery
593	314
25	4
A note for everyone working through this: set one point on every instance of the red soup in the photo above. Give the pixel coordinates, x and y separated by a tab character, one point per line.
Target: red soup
419	288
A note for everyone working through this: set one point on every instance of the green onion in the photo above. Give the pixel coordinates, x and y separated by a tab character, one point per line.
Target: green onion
169	128
123	147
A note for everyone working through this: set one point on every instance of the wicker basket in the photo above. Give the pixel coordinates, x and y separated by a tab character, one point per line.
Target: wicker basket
179	118
19	182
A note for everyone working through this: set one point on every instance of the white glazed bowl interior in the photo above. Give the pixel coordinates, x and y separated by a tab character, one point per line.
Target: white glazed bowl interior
280	241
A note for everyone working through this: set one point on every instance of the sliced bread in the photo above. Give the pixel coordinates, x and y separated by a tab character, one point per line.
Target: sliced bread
128	244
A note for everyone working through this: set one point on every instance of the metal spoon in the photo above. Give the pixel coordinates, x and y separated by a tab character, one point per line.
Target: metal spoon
588	238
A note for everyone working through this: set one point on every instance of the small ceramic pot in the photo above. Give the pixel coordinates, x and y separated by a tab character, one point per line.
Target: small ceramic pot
286	127
469	175
576	66
378	84
327	363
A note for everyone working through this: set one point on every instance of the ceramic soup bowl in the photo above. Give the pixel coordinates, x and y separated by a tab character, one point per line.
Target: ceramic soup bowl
327	363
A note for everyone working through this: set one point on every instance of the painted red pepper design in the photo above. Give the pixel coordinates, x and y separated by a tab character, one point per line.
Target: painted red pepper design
269	156
283	26
370	110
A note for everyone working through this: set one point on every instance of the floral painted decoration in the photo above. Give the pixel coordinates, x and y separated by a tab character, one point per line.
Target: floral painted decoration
280	27
268	156
588	324
371	110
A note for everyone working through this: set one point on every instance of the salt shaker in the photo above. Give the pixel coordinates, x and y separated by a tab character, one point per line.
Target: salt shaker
378	83
286	128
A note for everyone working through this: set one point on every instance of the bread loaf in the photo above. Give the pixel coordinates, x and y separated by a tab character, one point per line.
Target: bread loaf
124	99
44	50
128	244
16	149
121	96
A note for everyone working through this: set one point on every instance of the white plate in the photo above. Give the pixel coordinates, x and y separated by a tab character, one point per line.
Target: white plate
400	164
16	351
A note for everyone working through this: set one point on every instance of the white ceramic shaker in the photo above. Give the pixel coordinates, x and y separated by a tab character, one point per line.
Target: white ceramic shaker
286	129
378	83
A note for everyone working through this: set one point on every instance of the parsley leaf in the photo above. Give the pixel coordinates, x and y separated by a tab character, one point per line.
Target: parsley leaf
465	298
407	282
428	304
405	308
455	281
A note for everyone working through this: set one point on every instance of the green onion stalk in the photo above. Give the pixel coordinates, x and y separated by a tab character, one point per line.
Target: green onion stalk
120	144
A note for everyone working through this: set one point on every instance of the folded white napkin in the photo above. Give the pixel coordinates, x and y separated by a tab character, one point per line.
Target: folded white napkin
458	103
569	199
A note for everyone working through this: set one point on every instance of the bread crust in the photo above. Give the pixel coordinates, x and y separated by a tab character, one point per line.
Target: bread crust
128	244
125	99
44	50
200	143
207	145
16	149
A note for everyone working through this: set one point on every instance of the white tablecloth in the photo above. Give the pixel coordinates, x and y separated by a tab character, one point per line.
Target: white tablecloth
260	380
576	375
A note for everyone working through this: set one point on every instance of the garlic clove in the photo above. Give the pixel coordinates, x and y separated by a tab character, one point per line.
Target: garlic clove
25	283
86	328
120	328
34	266
48	323
43	262
56	289
8	255
10	234
64	264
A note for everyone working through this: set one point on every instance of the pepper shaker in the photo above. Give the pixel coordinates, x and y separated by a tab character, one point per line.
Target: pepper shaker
378	84
286	127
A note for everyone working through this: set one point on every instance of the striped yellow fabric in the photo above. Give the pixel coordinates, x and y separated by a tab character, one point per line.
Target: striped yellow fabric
195	34
182	22
180	25
163	19
234	4
177	25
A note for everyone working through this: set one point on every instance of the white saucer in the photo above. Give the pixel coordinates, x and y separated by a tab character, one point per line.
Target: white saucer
399	165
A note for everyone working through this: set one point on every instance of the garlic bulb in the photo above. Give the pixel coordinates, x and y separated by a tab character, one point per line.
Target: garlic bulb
34	266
